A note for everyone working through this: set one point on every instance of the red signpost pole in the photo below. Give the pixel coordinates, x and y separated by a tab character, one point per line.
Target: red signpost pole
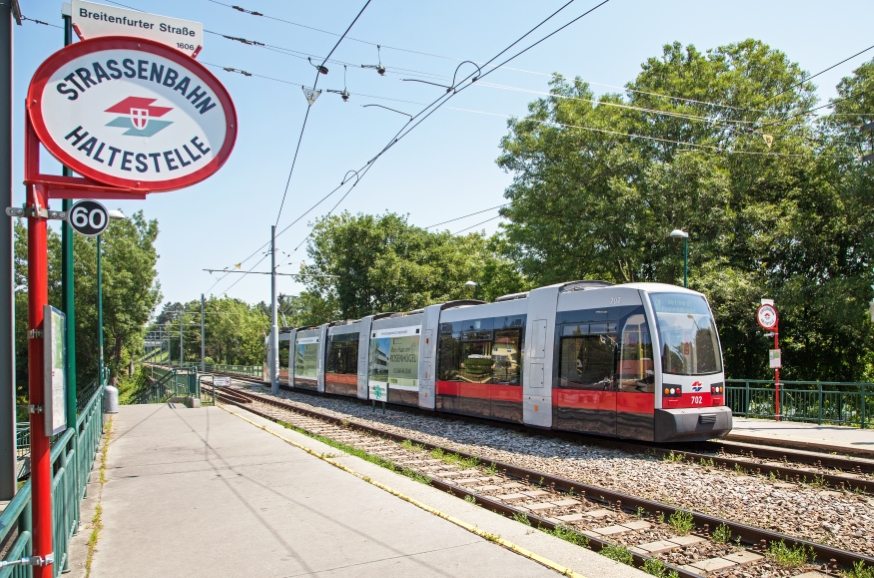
777	372
40	443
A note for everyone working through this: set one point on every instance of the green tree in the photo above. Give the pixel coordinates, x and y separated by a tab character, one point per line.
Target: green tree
760	185
365	264
130	293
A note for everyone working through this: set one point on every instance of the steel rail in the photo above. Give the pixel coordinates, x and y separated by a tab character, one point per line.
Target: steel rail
784	471
749	535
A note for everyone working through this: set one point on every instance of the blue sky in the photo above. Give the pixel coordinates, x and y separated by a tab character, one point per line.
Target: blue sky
445	168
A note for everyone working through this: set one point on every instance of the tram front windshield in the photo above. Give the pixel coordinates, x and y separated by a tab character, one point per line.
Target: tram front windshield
687	333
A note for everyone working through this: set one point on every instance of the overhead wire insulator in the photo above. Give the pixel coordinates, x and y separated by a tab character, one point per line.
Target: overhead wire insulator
252	12
344	94
238	71
380	69
245	41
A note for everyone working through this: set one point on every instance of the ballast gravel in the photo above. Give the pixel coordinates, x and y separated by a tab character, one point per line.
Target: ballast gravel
840	519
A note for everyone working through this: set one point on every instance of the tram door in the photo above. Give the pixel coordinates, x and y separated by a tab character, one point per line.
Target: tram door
586	389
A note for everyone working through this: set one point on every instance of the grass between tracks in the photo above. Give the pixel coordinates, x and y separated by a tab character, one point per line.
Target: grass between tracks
96	521
359	453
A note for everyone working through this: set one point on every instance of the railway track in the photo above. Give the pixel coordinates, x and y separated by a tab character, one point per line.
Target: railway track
618	524
791	466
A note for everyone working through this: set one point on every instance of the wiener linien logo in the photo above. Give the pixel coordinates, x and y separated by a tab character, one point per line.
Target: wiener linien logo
140	118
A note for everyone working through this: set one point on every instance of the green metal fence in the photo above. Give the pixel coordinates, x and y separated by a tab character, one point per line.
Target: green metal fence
829	402
249	370
170	382
72	457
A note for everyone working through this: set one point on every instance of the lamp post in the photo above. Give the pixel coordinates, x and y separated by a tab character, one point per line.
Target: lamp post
676	234
114	215
476	288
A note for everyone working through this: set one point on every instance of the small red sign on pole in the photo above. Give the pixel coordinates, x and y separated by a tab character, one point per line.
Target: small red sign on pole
769	321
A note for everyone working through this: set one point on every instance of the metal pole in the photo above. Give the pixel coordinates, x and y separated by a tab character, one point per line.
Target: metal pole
181	352
686	261
8	469
67	281
274	328
40	447
202	339
100	372
777	373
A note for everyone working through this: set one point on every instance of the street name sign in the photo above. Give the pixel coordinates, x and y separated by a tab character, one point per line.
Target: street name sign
132	113
88	218
92	20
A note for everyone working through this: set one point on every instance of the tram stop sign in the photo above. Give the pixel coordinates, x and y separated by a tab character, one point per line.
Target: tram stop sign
88	218
132	113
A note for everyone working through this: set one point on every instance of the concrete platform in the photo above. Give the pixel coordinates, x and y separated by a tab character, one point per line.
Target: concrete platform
202	492
804	436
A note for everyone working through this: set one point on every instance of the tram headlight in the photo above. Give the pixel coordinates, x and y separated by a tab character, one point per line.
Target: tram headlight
717	389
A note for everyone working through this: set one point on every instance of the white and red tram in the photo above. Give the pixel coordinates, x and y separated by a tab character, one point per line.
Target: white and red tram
639	360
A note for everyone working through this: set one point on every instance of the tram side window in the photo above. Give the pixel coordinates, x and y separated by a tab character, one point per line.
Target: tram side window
636	364
587	361
507	357
471	352
476	356
343	354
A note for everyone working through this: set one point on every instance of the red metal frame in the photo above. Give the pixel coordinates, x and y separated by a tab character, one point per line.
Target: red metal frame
73	51
41	188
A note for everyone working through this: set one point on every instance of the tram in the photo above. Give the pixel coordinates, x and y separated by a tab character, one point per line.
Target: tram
637	361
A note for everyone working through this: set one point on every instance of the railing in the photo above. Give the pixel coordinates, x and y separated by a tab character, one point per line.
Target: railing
830	402
72	458
249	370
181	381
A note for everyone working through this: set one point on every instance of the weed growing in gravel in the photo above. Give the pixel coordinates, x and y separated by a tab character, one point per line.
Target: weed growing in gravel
681	522
707	463
859	571
617	553
657	568
468	463
722	534
470	499
661	517
437	454
492	469
738	469
791	557
640	512
357	452
571	536
675	457
521	518
540	483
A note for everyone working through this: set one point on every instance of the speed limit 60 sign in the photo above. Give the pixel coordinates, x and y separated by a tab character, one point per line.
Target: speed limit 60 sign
89	218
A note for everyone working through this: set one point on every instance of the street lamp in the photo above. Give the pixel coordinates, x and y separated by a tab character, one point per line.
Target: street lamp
114	215
676	234
476	290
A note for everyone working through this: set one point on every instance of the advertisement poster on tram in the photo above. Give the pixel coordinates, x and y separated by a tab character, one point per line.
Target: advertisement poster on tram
394	361
306	359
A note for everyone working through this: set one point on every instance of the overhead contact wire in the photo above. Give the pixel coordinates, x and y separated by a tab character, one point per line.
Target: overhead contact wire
309	107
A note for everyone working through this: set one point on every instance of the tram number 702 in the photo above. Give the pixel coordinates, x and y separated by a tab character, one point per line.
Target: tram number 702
696	399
